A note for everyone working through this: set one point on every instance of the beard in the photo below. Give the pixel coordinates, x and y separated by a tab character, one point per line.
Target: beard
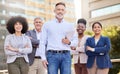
59	16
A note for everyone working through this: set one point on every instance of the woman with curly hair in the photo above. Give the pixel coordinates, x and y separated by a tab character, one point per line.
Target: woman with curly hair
17	45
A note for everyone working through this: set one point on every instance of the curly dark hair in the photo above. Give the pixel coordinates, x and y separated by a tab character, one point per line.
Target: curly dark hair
13	20
82	20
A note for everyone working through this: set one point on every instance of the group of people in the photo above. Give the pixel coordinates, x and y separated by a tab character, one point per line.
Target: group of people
49	46
91	56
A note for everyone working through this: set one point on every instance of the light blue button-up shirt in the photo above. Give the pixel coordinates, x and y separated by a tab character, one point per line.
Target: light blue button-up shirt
52	34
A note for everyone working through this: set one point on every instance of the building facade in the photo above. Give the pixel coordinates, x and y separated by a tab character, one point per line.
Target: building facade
105	11
33	8
29	9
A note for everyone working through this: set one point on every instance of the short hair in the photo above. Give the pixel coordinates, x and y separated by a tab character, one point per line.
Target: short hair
13	20
60	3
82	20
96	23
38	18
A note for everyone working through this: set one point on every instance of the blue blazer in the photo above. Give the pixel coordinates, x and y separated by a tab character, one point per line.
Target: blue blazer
101	52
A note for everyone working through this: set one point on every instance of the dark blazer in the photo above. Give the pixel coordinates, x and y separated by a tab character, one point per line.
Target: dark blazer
35	43
101	52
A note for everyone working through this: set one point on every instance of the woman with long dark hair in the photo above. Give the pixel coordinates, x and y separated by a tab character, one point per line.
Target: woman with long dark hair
97	49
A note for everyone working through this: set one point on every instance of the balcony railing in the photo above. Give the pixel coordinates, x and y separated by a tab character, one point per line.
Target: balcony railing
6	71
115	60
3	71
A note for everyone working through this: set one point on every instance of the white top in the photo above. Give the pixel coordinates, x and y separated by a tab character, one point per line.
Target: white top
81	48
52	34
38	34
20	43
96	41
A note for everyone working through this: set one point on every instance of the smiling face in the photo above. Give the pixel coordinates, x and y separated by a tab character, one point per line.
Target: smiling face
38	24
18	27
81	28
97	28
59	11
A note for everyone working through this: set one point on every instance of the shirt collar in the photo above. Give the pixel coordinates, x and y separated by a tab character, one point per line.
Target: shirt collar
19	36
56	20
36	31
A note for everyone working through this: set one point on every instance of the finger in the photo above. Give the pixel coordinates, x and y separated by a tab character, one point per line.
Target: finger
65	37
6	48
45	65
63	40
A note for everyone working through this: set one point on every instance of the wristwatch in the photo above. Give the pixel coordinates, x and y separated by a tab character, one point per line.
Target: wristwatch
69	43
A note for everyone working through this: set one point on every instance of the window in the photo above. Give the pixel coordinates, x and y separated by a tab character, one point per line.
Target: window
105	11
16	14
17	5
3	12
3	1
2	22
39	1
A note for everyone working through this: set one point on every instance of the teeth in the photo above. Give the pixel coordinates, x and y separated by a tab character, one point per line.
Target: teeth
60	14
80	30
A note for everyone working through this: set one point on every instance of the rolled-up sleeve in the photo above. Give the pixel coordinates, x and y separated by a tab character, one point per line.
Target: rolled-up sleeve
74	40
43	42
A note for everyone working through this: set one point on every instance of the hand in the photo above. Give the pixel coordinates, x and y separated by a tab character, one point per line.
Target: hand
90	49
9	47
73	48
45	63
26	46
30	37
35	46
65	40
